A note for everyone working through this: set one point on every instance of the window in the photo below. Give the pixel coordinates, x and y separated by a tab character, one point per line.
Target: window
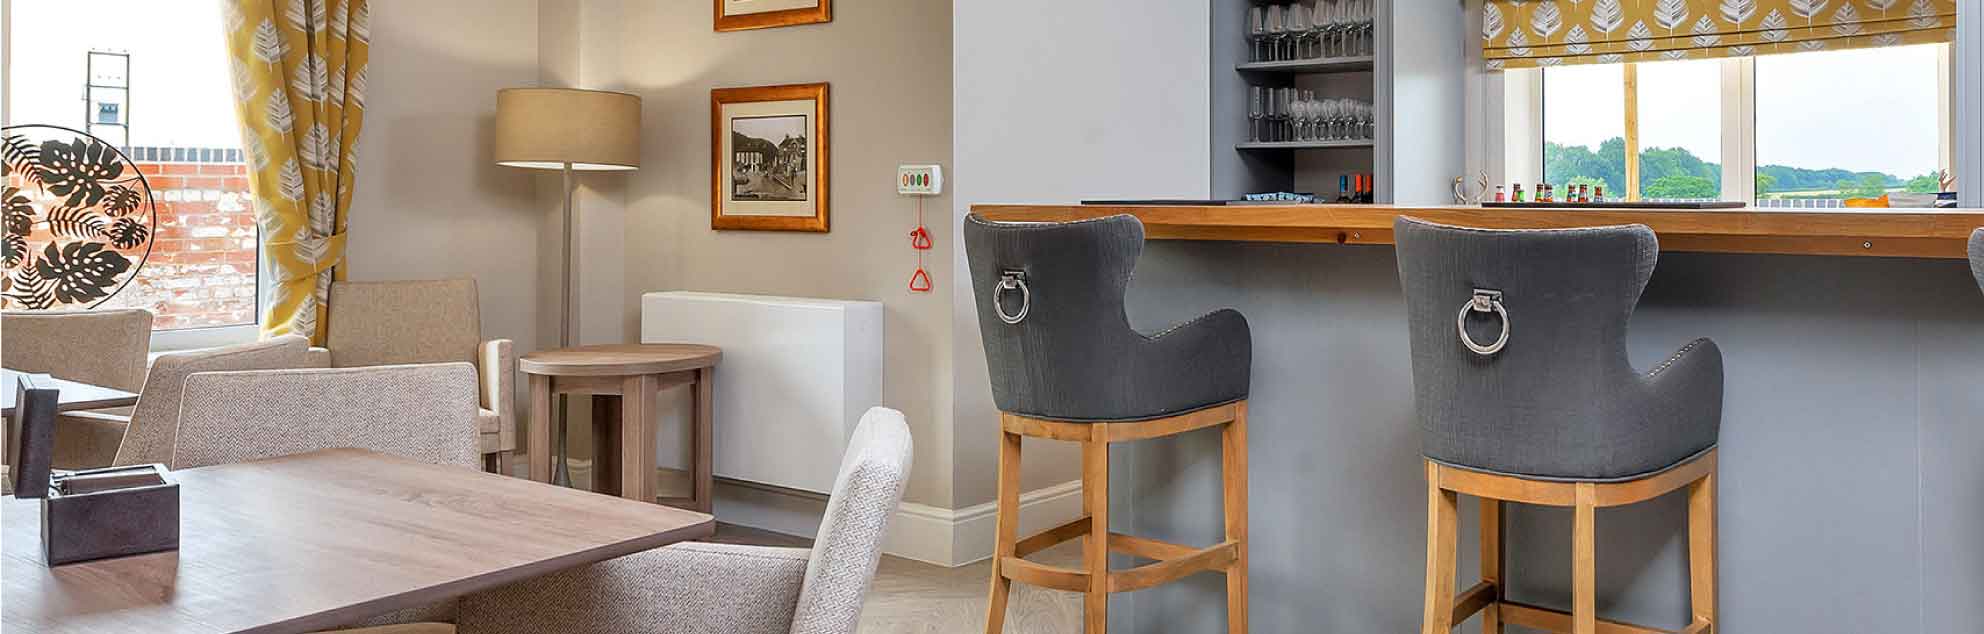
1885	101
152	78
1779	131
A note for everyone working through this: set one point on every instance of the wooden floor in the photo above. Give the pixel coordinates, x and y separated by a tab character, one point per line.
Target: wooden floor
915	597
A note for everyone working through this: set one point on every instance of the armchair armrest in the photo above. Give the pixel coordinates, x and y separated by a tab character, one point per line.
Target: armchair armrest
315	357
688	587
496	363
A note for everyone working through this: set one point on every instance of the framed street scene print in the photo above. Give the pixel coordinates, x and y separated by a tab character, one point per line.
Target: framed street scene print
769	158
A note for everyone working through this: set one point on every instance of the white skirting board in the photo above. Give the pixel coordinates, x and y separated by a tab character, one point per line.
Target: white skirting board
938	536
952	538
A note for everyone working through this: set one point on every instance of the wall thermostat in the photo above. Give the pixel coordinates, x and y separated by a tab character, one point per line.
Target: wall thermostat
919	180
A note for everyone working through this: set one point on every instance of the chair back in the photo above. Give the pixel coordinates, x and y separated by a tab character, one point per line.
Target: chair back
868	489
1977	256
1551	393
155	419
98	347
421	412
402	322
1058	343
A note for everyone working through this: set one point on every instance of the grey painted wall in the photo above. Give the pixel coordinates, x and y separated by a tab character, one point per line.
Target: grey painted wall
1852	449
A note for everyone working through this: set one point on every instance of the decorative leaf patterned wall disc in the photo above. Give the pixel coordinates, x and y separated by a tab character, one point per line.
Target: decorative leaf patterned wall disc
79	218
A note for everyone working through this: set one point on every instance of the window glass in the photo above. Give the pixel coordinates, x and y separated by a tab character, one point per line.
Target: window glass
1680	117
171	110
1584	126
1834	125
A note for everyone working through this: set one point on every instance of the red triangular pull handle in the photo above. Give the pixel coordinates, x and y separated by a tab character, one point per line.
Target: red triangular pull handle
920	281
919	239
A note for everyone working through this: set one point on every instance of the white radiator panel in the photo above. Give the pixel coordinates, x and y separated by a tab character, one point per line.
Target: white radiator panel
797	373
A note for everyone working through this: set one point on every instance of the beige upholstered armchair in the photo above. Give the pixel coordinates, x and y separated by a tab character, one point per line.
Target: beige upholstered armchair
429	321
696	587
153	424
420	412
99	347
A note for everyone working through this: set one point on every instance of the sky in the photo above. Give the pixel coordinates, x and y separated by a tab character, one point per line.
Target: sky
1861	110
181	94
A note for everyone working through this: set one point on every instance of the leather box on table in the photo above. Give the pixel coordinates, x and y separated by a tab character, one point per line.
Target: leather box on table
95	513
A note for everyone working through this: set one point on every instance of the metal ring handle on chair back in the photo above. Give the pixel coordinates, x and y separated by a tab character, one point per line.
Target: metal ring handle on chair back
1484	301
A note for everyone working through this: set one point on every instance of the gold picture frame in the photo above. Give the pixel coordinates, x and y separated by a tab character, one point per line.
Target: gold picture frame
769	158
744	15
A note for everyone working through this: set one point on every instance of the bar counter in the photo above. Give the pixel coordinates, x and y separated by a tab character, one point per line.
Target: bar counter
1850	437
1921	233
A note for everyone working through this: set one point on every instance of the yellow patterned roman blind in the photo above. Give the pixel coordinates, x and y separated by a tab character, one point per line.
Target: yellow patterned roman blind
1527	33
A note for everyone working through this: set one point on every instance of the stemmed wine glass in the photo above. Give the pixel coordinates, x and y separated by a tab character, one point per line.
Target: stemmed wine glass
1297	16
1254	113
1276	29
1318	22
1257	28
1367	18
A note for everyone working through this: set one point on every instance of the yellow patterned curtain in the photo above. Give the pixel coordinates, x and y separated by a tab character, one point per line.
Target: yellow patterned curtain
1527	33
299	84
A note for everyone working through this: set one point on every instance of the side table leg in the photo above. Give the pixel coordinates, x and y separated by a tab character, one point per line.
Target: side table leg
606	444
538	436
638	403
701	465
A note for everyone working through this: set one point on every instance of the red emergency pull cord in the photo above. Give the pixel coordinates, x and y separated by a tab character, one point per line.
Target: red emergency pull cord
919	241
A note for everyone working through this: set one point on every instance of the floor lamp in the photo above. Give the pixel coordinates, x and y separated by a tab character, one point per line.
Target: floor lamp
567	129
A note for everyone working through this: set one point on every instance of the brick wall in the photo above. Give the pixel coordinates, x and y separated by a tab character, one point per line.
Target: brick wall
201	272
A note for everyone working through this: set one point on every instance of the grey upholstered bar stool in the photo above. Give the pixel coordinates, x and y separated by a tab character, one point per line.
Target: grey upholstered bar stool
1065	365
1525	394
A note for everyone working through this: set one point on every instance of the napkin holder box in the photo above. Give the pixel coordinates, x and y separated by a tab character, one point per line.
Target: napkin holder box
103	513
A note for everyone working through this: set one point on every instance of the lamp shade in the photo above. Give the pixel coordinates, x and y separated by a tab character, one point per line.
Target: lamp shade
546	128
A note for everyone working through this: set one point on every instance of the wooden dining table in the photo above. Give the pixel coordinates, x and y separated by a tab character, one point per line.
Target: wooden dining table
74	395
324	539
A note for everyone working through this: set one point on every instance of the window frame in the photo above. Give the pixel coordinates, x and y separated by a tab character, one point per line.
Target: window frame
161	340
1521	100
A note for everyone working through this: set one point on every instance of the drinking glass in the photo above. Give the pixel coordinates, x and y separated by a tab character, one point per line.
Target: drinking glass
1254	113
1368	23
1298	28
1257	28
1318	20
1275	27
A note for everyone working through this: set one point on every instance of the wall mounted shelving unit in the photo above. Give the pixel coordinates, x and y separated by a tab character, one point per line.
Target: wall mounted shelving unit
1410	163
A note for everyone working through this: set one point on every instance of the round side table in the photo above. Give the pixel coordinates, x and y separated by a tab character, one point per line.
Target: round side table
622	380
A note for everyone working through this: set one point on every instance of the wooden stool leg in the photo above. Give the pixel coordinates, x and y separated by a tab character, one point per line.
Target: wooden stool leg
1233	462
1095	491
1492	554
1008	519
1701	551
1584	561
606	447
1442	544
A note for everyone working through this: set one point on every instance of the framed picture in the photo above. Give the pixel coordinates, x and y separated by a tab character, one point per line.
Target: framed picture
769	158
743	15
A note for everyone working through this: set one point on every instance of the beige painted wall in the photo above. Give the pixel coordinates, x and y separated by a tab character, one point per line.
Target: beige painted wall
429	203
889	65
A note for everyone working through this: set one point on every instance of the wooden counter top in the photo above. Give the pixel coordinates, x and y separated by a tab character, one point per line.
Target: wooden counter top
1925	233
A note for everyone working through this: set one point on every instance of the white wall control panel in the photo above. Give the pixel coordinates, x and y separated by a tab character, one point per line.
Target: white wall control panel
920	180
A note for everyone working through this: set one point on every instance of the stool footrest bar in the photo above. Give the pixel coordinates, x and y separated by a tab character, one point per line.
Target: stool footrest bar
1473	600
1042	575
1543	618
1049	538
1214	558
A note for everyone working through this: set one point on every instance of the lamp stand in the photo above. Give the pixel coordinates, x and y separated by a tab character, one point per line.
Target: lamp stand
561	473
